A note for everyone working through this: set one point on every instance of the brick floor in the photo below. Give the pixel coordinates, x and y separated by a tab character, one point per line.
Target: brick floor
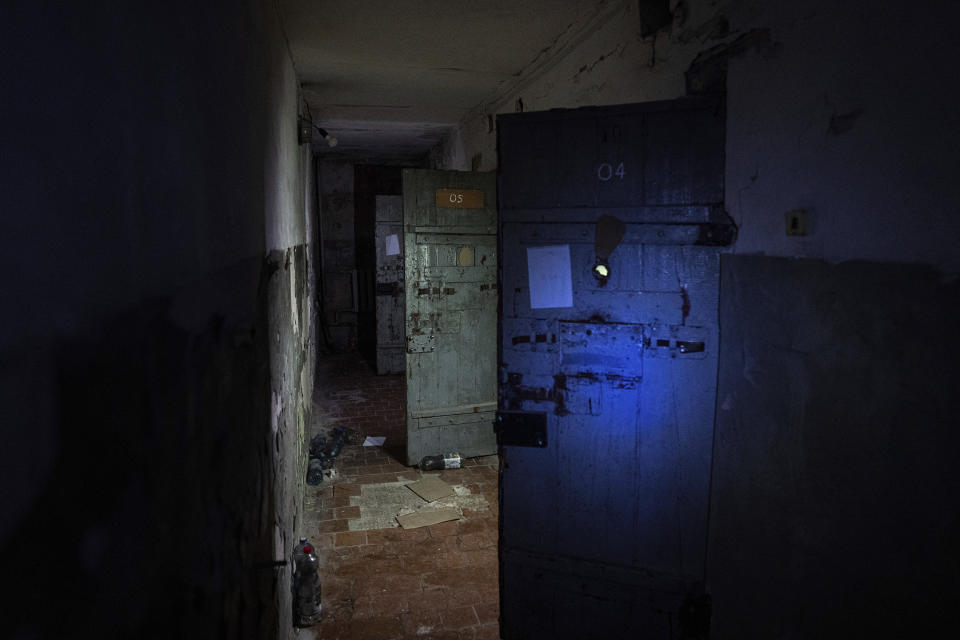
351	394
390	584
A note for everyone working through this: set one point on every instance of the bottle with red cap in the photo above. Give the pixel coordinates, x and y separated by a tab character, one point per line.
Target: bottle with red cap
306	585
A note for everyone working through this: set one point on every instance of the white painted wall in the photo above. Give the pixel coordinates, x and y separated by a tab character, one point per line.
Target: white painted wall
283	175
881	191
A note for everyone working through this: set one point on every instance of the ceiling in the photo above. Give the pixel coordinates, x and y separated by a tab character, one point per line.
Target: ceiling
389	78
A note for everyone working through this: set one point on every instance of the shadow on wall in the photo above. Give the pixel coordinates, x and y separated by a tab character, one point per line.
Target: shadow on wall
836	451
144	491
156	518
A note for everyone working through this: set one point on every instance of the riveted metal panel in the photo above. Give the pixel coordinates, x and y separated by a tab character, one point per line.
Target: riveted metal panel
451	314
603	530
640	155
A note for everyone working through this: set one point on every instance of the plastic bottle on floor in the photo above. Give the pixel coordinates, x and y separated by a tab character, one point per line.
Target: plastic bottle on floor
306	585
440	462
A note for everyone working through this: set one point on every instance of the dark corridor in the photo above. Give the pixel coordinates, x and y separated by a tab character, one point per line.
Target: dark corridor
379	581
187	242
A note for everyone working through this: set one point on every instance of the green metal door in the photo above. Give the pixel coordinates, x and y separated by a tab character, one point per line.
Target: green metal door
450	246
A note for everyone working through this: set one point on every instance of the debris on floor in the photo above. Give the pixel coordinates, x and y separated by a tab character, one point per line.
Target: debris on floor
428	517
380	580
315	473
379	505
317	444
327	448
374	441
431	488
323	451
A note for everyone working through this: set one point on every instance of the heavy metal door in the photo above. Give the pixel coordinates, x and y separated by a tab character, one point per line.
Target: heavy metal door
610	224
390	291
451	312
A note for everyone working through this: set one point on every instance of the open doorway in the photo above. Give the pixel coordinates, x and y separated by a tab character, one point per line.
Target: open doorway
379	579
378	207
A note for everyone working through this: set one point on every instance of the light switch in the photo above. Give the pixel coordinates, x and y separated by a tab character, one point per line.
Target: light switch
797	223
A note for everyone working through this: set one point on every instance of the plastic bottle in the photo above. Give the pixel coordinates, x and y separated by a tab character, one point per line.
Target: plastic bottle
306	585
440	462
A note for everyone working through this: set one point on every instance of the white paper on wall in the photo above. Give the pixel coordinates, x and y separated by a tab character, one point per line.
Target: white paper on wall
393	245
548	269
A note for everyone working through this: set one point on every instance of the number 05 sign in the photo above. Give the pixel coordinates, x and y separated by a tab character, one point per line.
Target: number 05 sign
460	198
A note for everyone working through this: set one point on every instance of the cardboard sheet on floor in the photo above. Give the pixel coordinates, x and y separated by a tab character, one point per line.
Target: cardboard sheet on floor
427	517
431	488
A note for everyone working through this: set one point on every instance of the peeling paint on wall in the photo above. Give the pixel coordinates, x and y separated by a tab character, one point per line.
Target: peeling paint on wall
277	406
294	302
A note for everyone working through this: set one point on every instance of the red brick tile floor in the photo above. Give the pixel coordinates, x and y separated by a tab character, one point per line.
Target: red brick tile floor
379	581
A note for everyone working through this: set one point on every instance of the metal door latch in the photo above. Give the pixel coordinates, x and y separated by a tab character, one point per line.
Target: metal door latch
521	429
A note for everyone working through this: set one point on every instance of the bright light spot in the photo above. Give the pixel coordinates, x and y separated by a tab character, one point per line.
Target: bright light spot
601	271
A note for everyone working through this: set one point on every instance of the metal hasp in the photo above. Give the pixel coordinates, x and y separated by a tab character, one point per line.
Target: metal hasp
611	224
450	256
519	429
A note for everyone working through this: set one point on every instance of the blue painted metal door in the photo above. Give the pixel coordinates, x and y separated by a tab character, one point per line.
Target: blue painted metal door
611	222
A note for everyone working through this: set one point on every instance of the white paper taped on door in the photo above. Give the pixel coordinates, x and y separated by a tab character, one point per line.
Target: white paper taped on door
548	270
393	245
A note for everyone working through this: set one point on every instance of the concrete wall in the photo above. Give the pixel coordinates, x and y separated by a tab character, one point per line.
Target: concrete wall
156	368
834	446
290	314
835	452
848	124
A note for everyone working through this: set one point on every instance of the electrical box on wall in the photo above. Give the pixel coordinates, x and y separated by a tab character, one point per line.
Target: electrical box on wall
797	222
